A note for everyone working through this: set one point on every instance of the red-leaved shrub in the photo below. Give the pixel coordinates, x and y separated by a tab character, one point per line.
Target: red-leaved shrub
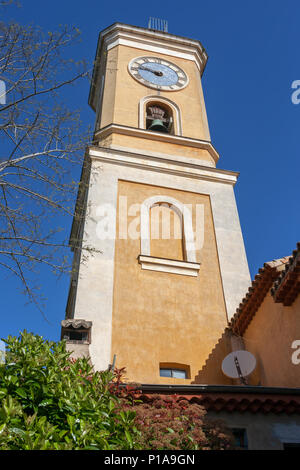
170	421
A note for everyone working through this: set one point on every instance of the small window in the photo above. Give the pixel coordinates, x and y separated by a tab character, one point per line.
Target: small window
173	373
76	335
76	330
240	438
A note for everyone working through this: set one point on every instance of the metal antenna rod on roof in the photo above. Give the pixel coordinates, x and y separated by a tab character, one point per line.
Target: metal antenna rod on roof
158	24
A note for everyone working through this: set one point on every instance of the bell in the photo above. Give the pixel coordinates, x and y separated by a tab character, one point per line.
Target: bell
157	125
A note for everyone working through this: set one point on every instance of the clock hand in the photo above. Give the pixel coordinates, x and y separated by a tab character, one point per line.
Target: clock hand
156	72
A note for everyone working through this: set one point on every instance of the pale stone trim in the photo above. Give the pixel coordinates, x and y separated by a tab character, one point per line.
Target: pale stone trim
179	167
185	220
165	156
158	136
154	41
176	111
154	46
169	266
99	103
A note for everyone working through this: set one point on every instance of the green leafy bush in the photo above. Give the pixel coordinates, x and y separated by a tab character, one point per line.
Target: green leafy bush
49	401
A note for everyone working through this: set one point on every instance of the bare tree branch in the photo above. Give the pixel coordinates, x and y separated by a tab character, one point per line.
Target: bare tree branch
42	148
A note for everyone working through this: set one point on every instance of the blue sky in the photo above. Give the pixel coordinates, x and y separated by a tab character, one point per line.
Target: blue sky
253	60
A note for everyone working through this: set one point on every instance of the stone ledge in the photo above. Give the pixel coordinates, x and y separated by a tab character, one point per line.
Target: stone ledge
104	132
185	268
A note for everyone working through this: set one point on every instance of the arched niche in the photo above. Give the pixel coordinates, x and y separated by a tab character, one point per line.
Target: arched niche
166	104
166	232
188	266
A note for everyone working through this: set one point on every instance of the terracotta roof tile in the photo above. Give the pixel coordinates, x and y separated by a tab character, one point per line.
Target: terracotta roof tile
281	276
287	286
238	401
278	263
259	288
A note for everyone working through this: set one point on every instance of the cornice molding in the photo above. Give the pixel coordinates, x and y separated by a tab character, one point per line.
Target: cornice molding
146	40
179	166
158	136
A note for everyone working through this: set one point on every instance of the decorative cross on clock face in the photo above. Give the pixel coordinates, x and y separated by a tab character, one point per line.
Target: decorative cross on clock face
158	73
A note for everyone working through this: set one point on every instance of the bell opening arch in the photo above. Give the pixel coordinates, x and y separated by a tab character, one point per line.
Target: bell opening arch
172	113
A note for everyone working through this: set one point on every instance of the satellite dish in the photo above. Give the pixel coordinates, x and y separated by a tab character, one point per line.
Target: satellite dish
238	364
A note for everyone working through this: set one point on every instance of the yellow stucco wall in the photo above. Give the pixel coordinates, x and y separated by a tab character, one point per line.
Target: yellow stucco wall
212	373
122	93
161	317
109	93
269	337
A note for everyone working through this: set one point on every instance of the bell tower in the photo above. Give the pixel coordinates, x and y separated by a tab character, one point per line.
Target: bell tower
167	267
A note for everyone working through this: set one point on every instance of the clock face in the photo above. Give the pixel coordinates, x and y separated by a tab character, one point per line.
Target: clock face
158	73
